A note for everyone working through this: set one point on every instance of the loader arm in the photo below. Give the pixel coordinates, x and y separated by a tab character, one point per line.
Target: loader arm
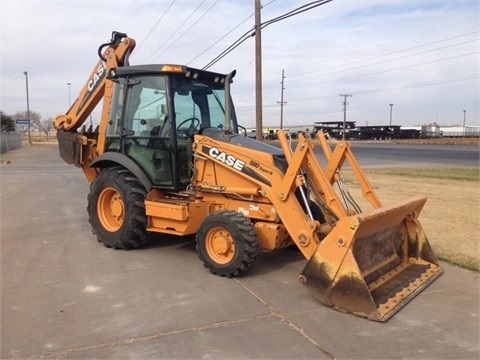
80	148
335	162
371	263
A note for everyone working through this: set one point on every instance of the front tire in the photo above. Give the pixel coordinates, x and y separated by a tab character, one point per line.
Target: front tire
116	209
227	243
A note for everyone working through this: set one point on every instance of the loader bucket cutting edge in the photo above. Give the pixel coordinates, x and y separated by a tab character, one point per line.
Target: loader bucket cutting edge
372	264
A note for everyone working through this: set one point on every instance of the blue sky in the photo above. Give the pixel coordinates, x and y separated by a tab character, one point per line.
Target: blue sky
422	56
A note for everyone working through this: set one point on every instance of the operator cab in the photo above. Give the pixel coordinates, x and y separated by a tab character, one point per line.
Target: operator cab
156	110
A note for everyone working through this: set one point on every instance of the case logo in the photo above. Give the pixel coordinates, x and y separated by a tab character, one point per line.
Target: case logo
229	160
92	83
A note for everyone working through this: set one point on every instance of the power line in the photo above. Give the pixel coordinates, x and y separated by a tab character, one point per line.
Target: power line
296	11
224	36
233	46
273	84
384	71
392	41
305	75
402	87
156	24
427	83
228	33
167	38
377	63
249	33
190	27
301	76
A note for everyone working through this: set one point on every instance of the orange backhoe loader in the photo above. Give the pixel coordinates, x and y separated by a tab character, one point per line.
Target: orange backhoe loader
169	157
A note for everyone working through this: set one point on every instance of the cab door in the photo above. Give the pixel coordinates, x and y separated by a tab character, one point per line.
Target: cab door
139	126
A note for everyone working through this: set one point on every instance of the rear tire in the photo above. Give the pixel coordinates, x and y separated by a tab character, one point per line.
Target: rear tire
227	243
116	209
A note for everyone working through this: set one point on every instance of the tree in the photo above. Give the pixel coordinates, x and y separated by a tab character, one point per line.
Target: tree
7	122
45	126
34	116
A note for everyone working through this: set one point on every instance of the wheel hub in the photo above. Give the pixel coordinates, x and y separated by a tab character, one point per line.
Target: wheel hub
220	246
111	209
116	207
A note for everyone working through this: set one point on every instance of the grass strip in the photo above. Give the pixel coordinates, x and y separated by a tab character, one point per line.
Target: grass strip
456	174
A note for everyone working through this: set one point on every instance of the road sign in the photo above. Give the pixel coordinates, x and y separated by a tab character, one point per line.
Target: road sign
22	122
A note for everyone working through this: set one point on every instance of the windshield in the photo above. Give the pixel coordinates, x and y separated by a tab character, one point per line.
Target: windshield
199	105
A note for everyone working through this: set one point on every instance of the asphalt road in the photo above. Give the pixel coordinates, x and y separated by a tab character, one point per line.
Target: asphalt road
381	154
64	295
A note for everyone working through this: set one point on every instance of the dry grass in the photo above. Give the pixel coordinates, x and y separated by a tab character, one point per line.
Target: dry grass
451	216
441	141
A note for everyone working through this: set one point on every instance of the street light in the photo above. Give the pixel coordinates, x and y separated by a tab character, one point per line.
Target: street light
69	103
28	109
464	118
391	106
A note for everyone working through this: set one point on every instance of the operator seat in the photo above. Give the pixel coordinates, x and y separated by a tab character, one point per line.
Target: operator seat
154	141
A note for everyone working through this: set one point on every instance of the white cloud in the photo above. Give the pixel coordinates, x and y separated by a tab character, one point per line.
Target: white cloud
381	52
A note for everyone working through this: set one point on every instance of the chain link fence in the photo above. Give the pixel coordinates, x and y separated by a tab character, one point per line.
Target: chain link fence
10	141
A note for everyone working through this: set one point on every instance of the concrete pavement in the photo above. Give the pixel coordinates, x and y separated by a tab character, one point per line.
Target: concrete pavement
64	295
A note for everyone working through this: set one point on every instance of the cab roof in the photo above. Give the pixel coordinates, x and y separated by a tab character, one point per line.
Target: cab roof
152	69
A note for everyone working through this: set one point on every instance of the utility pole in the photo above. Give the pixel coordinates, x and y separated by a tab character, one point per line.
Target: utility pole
344	113
464	120
258	71
281	102
28	109
391	106
69	102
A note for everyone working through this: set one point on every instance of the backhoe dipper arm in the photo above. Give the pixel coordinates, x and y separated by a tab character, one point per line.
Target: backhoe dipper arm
116	55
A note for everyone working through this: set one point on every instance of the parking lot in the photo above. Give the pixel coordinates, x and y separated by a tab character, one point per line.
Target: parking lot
64	295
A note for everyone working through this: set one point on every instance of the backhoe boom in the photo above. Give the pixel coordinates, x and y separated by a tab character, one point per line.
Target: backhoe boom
94	89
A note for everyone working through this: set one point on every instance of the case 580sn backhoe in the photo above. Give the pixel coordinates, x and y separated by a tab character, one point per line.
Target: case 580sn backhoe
169	157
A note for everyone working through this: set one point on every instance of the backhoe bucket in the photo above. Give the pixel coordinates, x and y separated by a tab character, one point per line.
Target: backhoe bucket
371	264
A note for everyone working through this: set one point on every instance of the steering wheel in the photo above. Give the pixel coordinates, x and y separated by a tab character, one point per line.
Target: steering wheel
187	131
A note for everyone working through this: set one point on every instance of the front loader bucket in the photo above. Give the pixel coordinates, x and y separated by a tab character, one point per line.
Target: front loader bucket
371	264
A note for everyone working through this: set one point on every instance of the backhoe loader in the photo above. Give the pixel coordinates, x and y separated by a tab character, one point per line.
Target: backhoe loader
168	156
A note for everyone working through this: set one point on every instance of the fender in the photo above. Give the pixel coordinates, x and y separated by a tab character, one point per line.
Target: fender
113	158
